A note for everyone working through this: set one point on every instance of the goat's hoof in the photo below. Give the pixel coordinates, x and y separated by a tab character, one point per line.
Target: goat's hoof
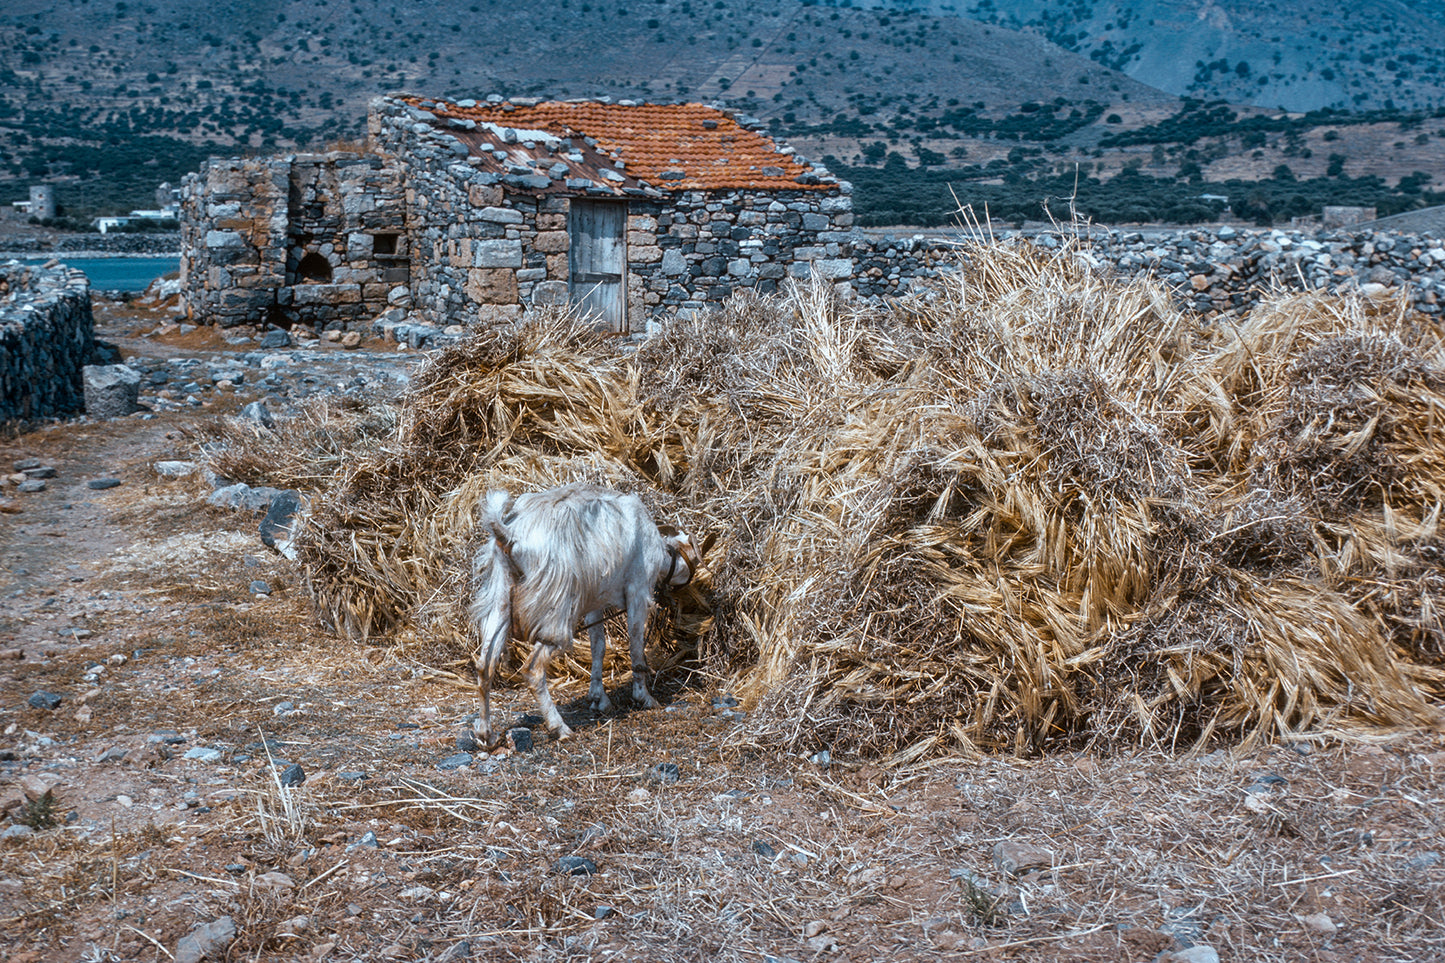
601	705
646	701
561	733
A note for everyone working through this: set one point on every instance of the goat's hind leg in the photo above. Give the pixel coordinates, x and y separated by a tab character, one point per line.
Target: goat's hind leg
535	669
597	632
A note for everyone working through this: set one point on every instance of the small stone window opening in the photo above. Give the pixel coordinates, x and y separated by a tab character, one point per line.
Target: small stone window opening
384	244
314	269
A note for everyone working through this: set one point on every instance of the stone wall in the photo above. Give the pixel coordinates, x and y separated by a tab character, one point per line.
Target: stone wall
700	247
159	244
1213	272
310	239
47	336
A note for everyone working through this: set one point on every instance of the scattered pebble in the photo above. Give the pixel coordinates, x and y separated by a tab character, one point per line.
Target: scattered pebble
101	484
175	469
368	841
574	866
1016	858
46	700
521	739
209	941
664	773
1319	923
275	882
204	754
292	775
260	587
458	760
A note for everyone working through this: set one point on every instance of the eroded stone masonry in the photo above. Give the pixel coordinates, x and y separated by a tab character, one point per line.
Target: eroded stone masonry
473	213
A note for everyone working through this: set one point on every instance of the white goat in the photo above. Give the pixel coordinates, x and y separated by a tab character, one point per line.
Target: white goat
560	556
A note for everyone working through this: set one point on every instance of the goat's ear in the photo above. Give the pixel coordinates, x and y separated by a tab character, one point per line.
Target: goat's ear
668	531
706	544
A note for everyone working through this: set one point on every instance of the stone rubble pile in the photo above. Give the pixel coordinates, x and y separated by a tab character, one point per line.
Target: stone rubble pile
285	376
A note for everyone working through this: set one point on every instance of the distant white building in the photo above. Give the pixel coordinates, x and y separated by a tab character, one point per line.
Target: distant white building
107	224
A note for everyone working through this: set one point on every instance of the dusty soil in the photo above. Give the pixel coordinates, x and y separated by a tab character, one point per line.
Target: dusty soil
134	605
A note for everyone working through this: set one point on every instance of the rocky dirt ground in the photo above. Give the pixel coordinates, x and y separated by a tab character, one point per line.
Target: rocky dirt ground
156	703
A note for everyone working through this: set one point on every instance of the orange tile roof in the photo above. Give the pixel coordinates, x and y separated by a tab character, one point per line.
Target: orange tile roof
674	147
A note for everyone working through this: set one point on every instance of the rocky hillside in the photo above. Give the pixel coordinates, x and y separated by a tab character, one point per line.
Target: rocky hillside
1301	56
107	100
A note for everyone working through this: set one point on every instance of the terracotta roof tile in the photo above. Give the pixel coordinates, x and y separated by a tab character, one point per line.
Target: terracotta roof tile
674	147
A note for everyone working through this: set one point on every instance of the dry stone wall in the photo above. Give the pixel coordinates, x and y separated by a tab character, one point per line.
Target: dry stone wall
1213	271
310	239
701	247
47	336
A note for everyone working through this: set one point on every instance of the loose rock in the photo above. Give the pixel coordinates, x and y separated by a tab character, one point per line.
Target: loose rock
1015	858
111	391
46	700
574	866
206	942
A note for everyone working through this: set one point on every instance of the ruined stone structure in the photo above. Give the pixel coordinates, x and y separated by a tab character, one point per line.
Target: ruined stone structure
312	239
473	213
42	202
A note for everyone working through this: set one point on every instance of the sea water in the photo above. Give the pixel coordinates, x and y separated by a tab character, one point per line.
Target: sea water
118	273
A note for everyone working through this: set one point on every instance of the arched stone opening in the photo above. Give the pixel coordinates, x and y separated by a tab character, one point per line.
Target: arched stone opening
314	269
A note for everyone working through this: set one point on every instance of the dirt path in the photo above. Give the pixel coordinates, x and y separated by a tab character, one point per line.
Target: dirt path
185	697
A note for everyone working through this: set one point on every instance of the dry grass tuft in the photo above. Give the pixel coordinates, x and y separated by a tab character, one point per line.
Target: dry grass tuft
1032	508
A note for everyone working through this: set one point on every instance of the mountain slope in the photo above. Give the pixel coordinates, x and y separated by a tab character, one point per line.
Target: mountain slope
126	93
1299	55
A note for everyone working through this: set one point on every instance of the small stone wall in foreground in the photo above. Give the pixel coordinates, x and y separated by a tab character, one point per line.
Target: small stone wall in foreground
47	336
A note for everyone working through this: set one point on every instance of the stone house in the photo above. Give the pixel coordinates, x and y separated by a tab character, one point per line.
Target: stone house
472	212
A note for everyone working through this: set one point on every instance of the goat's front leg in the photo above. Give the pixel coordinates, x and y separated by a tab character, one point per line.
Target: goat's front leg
535	669
638	607
597	632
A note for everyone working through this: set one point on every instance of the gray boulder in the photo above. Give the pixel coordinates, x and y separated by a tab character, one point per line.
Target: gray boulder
111	390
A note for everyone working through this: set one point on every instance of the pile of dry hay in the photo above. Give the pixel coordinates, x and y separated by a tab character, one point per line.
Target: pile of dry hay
1035	508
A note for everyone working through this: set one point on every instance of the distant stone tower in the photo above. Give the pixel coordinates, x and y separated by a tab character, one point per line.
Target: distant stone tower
42	201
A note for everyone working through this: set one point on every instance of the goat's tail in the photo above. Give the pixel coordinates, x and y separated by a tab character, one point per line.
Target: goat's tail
493	576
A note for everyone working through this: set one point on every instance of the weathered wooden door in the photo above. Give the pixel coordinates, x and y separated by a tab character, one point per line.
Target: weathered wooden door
598	260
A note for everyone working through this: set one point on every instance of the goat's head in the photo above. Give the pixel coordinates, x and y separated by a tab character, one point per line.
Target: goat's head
684	557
